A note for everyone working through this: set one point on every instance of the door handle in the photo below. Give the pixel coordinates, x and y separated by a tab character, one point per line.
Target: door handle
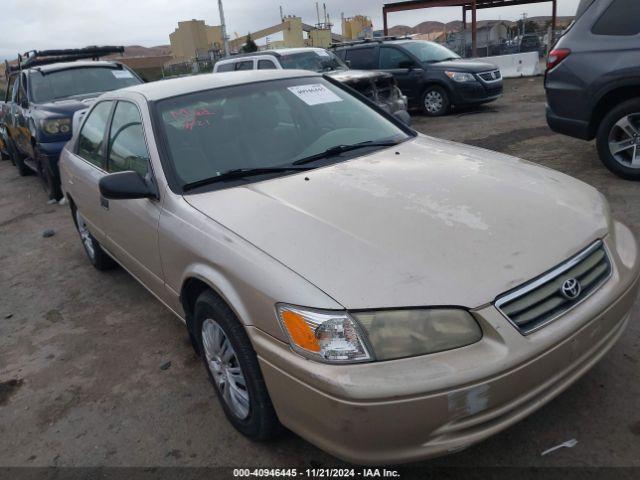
104	203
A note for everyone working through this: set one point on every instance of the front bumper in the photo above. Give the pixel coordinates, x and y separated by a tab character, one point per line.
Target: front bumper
49	152
473	93
421	407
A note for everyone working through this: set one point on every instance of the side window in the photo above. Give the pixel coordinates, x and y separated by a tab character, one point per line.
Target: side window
363	58
266	65
90	139
621	18
342	54
22	89
226	67
392	58
10	85
247	65
16	87
127	146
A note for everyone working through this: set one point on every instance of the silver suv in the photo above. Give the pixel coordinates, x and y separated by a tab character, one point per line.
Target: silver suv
593	82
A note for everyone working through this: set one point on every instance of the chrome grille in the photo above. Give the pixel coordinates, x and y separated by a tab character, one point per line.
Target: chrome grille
492	76
539	302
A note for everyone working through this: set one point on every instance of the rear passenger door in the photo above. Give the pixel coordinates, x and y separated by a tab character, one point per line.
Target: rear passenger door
132	225
88	167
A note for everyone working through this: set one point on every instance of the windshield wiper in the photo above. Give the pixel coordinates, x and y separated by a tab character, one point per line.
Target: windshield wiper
338	149
240	173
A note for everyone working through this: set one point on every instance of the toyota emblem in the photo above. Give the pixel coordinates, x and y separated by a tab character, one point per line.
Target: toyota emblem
571	289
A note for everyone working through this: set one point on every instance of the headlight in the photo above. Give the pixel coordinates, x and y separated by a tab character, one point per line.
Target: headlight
56	126
409	333
323	335
460	76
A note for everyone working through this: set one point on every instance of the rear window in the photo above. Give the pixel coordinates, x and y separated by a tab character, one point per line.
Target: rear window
622	17
78	81
363	58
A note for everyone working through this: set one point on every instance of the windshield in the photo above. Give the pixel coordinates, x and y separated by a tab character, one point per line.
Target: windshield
78	81
316	61
265	125
429	52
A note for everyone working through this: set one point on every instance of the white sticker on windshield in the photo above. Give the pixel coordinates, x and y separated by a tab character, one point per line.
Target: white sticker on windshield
322	53
315	94
122	73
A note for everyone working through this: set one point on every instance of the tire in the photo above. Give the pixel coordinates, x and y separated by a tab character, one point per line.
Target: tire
229	359
50	181
435	101
618	140
18	160
98	257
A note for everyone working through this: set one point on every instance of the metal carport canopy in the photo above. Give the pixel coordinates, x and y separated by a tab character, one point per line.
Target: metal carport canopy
466	5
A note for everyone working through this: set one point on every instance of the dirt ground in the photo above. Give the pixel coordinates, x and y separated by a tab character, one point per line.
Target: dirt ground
81	351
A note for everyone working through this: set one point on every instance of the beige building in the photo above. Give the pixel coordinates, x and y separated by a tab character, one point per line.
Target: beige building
194	36
357	27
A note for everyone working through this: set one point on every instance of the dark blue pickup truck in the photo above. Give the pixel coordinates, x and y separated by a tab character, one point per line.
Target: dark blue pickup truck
44	90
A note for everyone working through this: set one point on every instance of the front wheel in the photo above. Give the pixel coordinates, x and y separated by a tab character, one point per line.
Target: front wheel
435	101
18	160
618	140
50	181
97	256
233	369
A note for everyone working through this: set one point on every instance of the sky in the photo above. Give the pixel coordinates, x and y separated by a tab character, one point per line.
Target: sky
42	24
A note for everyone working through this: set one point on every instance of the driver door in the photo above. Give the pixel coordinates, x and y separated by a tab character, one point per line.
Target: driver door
407	72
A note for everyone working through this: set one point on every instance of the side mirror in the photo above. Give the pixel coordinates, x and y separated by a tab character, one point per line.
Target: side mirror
348	62
125	186
78	115
24	103
407	64
403	116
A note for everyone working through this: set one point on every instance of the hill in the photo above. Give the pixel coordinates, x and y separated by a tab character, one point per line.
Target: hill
456	26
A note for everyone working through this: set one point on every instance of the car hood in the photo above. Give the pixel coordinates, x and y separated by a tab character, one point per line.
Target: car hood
66	106
437	223
464	66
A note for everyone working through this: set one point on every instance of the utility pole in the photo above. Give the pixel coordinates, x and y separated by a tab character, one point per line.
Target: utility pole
223	29
524	23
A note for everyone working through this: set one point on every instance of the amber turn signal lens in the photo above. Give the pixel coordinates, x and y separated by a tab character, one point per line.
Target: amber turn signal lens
299	331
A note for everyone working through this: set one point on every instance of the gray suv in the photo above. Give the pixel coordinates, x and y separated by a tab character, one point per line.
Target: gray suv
593	82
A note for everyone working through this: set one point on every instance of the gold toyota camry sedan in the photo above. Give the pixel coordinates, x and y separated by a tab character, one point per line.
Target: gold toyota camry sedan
386	295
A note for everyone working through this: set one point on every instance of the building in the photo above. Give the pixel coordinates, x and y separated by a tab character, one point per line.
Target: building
193	37
357	27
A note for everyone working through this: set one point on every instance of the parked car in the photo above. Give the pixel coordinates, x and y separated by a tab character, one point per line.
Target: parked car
44	90
432	77
381	88
529	43
377	291
589	95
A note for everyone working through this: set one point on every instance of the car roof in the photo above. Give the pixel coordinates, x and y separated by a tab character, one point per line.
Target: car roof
276	52
180	86
374	42
77	64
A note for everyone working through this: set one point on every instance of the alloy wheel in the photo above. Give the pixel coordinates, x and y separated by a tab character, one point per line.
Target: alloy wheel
225	368
433	101
624	141
85	236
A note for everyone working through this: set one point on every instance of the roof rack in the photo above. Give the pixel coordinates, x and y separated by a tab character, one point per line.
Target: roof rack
35	58
370	40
